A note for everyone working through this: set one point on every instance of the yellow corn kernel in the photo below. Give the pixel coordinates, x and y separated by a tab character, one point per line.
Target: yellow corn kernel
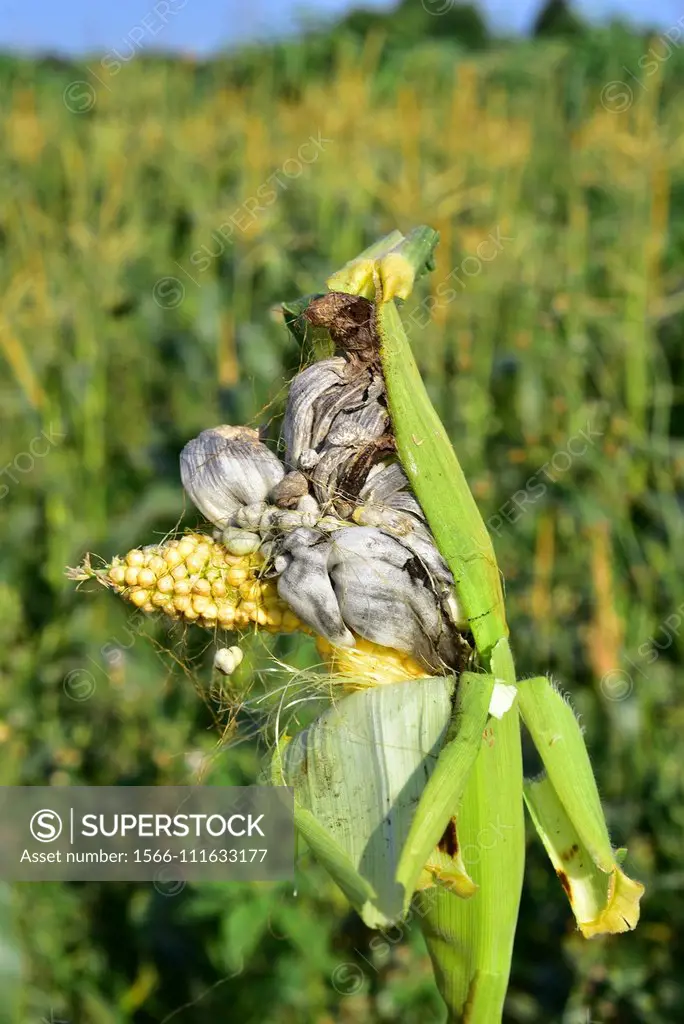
251	590
186	546
172	557
274	615
290	621
196	579
195	563
236	576
226	613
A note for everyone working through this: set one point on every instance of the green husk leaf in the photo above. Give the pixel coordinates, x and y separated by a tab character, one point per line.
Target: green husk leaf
470	941
566	810
445	786
440	486
558	738
330	854
359	771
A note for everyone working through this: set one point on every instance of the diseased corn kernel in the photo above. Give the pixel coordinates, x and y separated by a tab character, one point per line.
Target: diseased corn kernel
135	557
182	602
182	587
201	586
149	607
132	576
165	584
218	588
200	602
139	597
146	578
117	574
179	572
160	600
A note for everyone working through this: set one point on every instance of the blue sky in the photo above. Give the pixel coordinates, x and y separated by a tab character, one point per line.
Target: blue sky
202	26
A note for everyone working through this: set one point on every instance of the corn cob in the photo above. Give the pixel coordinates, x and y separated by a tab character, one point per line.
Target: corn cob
197	579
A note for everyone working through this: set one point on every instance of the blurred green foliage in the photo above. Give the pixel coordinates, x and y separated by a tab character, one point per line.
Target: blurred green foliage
151	218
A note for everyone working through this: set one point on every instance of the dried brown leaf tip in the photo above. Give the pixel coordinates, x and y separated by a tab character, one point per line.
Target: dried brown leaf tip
350	319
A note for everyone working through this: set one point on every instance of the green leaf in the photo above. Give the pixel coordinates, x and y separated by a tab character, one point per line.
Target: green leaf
243	927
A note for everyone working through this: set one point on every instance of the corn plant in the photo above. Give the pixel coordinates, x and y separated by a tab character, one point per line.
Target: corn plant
367	537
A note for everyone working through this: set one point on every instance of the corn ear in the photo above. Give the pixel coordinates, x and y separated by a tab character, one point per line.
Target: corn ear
566	810
196	579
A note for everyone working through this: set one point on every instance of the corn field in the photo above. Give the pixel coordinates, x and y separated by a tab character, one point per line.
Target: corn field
152	218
